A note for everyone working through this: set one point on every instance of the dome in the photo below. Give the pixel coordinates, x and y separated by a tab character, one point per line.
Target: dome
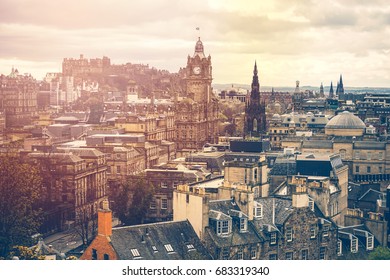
345	120
345	124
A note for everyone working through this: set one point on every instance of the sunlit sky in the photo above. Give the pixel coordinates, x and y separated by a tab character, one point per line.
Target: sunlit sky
310	41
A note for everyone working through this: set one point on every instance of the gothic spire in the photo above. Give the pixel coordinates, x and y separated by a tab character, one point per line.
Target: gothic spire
255	80
331	93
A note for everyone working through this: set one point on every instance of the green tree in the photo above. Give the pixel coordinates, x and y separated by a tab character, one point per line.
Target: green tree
24	253
132	201
20	189
380	253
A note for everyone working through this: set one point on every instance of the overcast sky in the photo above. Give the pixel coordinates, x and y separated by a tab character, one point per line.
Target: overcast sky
307	40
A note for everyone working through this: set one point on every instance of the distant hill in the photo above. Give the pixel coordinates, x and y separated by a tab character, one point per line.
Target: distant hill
220	87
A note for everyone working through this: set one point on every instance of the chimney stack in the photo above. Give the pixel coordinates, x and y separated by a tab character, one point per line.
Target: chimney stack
300	199
105	220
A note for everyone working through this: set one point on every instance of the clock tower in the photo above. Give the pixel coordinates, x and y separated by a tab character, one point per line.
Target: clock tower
198	75
197	113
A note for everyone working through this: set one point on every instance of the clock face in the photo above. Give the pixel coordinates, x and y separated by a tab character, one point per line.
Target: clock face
196	70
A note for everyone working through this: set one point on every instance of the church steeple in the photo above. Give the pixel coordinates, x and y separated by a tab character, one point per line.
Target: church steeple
341	86
321	90
199	51
331	92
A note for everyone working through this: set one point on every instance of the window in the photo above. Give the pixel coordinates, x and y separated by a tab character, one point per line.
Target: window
289	234
357	169
311	204
94	254
354	245
357	155
164	203
106	257
240	254
222	227
190	247
164	185
152	204
273	256
322	253
258	211
243	225
253	253
368	155
169	248
370	242
339	247
368	169
273	238
135	253
305	254
225	253
325	231
380	155
289	255
187	198
380	169
118	169
175	184
154	248
313	231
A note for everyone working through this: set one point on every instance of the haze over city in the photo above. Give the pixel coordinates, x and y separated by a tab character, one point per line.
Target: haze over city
310	41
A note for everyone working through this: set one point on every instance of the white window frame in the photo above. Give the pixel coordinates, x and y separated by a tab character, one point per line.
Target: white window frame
273	238
243	224
258	211
164	203
370	242
313	231
289	234
169	248
354	245
253	253
164	185
311	204
339	247
223	227
325	230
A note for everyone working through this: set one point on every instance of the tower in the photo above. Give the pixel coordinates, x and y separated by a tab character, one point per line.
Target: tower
197	114
322	91
331	93
255	119
341	86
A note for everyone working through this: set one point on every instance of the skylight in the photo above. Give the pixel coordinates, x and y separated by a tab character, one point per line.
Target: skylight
135	252
169	248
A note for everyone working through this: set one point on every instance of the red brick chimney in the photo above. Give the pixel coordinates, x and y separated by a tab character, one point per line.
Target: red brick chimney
105	220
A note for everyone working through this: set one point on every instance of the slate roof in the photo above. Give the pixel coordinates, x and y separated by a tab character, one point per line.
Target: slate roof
158	241
221	209
284	166
283	209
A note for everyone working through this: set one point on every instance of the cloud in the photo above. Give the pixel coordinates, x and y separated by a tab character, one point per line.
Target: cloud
291	38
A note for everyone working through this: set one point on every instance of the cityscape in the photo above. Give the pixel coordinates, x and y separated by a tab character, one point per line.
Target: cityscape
103	160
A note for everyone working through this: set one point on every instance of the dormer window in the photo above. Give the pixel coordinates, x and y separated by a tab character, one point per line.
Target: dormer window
370	242
243	224
223	227
258	211
311	204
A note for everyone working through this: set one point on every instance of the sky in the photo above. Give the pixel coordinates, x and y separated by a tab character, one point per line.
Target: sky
312	41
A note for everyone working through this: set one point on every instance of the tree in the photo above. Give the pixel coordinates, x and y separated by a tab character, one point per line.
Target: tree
20	189
24	253
380	253
132	201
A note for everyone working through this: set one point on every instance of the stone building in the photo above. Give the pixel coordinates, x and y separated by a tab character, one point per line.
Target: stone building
197	114
75	182
365	154
18	99
238	220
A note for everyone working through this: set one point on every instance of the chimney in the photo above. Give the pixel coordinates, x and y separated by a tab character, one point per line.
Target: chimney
105	220
300	199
